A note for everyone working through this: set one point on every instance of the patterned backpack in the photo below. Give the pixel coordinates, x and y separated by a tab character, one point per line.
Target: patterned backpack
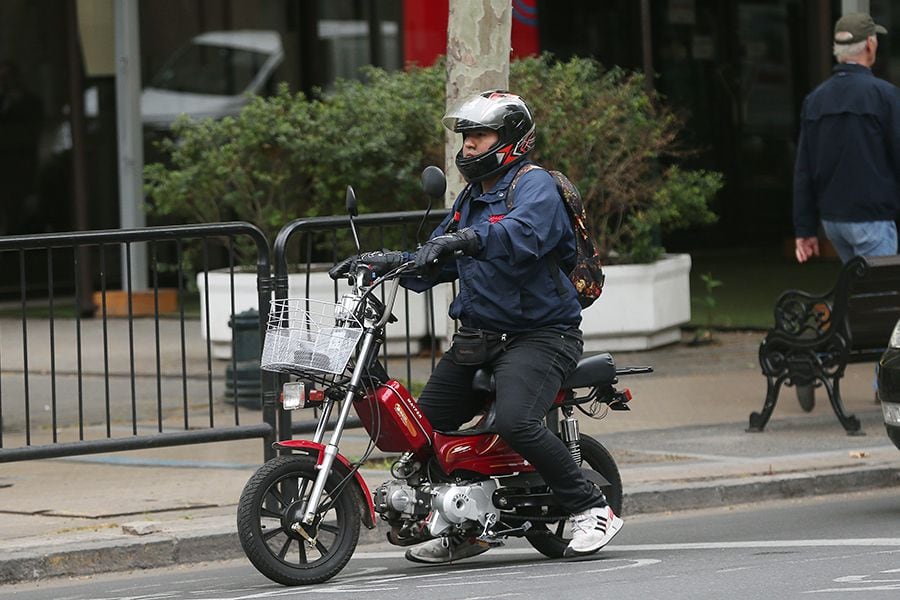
587	275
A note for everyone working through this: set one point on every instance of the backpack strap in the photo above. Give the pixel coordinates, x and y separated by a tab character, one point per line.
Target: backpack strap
515	180
555	263
453	225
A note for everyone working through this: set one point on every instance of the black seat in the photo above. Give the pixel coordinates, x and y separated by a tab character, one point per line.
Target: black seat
597	370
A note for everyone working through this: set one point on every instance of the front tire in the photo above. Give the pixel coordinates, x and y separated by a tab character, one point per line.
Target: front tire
269	505
551	539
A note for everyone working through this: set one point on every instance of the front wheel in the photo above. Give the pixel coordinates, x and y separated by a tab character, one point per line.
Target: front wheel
270	505
551	539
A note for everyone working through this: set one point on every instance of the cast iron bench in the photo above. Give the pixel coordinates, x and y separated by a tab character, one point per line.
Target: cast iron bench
815	337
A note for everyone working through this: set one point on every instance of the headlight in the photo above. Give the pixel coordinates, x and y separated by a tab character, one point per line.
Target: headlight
895	336
344	311
891	413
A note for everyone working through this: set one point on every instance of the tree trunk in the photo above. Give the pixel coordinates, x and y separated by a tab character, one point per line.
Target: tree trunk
478	46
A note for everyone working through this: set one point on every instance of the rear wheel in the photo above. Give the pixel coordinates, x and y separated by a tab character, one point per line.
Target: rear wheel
551	538
271	503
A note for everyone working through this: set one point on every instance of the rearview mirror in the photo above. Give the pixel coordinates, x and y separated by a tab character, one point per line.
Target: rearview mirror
351	202
433	182
351	210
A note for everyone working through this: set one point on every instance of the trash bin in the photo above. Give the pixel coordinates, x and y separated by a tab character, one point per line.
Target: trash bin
242	374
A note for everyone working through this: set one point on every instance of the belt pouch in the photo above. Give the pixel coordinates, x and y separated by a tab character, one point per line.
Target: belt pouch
475	346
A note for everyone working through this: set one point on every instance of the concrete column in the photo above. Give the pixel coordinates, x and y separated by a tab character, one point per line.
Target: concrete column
130	135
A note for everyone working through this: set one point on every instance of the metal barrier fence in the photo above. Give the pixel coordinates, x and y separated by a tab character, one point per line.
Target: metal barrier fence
329	239
72	385
81	374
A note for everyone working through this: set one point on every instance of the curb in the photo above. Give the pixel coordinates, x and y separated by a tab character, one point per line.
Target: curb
89	558
745	490
161	550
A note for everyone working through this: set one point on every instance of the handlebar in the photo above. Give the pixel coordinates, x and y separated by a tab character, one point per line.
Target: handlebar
379	264
342	268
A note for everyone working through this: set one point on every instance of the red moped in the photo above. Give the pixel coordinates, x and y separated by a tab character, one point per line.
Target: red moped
299	515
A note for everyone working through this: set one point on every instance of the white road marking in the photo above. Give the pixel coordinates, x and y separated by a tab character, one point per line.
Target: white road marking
863	579
871	542
864	583
843	590
376	579
456	583
639	562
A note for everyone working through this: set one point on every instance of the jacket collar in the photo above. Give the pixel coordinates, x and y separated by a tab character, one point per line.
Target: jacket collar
502	184
851	68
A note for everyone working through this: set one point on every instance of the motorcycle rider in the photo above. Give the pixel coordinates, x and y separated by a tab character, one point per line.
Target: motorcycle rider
512	269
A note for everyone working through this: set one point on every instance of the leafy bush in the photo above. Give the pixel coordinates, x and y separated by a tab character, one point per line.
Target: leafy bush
612	139
289	156
252	167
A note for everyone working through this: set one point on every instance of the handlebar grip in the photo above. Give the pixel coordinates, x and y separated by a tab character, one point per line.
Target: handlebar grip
341	269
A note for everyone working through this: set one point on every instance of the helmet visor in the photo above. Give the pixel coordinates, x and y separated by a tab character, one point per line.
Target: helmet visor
480	112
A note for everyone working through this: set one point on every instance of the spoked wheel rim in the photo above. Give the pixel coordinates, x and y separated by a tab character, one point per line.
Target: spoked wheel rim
281	508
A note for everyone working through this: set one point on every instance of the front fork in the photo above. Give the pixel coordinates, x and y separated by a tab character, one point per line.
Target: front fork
331	449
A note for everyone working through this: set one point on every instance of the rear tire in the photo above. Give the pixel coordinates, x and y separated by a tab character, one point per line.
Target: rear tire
269	505
551	539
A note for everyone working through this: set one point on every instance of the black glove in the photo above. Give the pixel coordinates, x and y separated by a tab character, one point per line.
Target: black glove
382	261
431	251
342	268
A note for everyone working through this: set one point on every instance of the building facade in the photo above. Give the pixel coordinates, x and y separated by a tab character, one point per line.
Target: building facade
737	70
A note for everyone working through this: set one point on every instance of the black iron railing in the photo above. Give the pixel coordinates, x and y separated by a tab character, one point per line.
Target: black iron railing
303	242
79	375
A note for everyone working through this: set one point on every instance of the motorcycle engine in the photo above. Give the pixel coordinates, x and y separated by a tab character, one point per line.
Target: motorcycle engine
444	505
458	504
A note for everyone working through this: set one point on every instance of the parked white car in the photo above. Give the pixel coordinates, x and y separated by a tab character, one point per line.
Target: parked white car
212	76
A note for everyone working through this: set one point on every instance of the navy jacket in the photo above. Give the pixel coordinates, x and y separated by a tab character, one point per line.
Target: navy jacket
508	285
848	158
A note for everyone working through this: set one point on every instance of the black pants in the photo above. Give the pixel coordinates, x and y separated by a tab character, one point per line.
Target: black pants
528	375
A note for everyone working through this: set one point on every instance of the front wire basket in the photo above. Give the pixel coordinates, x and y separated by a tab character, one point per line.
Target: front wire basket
304	335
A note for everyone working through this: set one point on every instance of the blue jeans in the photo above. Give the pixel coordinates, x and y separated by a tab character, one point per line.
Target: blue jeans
867	238
528	373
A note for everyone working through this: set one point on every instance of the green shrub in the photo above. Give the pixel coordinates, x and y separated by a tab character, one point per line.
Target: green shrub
612	139
289	156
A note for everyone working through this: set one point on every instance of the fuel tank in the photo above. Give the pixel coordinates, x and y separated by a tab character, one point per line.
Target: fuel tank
393	419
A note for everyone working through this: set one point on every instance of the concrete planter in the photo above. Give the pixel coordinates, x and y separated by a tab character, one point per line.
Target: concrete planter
321	287
642	306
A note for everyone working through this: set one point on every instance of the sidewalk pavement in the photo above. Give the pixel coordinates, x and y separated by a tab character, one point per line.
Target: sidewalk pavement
682	446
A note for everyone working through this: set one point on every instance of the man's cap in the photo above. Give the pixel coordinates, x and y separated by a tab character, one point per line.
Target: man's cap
855	27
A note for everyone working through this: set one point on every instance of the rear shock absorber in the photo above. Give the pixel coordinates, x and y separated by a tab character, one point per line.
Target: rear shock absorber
569	433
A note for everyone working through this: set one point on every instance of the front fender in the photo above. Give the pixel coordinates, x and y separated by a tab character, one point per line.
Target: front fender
342	465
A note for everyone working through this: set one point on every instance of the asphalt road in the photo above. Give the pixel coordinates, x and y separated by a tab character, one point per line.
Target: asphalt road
831	547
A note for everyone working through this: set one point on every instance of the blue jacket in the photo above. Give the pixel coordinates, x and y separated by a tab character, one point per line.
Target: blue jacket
508	285
848	157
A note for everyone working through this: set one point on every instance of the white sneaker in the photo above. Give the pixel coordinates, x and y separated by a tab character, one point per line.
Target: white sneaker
591	530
